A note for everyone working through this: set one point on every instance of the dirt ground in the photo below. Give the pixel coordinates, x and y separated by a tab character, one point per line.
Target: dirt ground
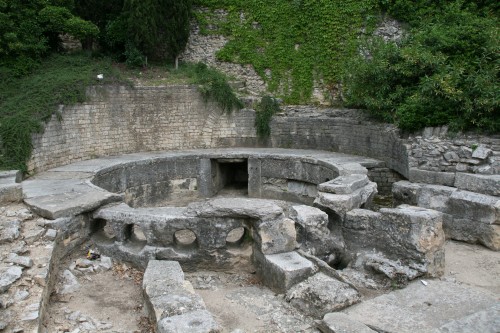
237	299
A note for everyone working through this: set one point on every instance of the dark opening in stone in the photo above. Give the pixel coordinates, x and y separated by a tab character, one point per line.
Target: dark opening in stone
232	175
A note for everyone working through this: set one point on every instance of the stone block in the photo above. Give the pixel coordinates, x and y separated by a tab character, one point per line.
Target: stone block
337	322
278	236
281	271
344	184
475	206
162	272
481	152
321	294
11	192
435	197
412	234
405	192
173	300
432	177
200	321
340	204
485	184
471	231
166	293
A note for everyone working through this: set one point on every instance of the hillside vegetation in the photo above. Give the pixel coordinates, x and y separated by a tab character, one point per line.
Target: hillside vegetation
443	72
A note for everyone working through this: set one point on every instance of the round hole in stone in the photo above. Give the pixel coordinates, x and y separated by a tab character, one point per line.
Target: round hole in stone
235	236
185	237
195	323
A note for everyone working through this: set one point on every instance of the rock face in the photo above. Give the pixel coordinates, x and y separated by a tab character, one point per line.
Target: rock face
468	216
321	294
171	301
407	233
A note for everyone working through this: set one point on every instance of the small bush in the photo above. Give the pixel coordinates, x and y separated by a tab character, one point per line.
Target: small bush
213	85
267	107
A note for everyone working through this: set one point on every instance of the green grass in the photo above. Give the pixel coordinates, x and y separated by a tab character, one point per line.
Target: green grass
27	102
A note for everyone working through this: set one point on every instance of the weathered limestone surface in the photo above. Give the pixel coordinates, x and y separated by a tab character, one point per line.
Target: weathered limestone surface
337	322
9	231
171	301
275	236
424	308
237	207
149	178
321	294
10	189
345	193
312	231
468	216
485	184
409	233
9	275
486	321
281	271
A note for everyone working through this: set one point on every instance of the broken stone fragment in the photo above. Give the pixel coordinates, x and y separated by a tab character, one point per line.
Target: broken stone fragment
8	276
19	260
481	152
344	184
70	283
321	294
50	234
106	262
9	231
33	235
337	322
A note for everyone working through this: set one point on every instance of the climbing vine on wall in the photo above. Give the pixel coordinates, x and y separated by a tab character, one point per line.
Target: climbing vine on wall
290	43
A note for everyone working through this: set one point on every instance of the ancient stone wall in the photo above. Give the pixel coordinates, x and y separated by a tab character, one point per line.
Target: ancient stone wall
119	120
434	149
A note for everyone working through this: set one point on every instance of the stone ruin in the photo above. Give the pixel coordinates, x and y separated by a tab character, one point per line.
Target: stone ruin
305	217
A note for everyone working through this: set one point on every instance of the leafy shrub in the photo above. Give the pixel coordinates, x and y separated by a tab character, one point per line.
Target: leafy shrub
213	85
267	107
444	72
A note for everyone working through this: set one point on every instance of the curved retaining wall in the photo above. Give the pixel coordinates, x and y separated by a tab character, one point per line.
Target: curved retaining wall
119	120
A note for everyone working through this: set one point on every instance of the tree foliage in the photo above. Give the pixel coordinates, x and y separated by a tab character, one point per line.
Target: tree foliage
444	72
158	29
30	29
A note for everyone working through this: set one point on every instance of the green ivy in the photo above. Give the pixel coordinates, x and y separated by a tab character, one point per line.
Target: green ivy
298	41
